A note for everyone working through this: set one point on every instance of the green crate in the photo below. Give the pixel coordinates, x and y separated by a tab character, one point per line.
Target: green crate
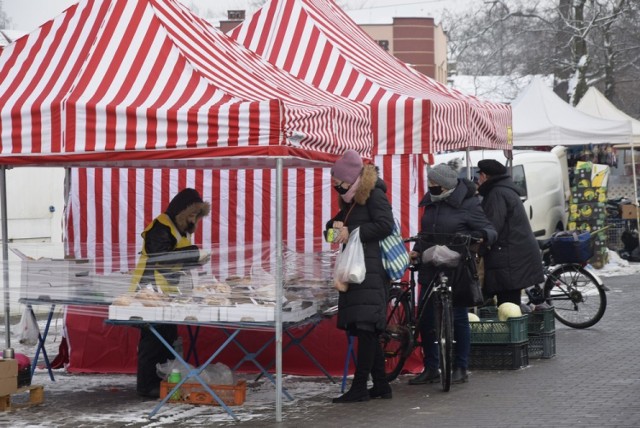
542	345
542	321
513	330
511	356
488	312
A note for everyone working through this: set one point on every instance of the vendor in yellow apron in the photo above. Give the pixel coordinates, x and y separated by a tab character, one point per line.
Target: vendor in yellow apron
167	250
158	269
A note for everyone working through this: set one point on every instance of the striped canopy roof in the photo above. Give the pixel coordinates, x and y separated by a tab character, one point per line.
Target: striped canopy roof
412	113
146	83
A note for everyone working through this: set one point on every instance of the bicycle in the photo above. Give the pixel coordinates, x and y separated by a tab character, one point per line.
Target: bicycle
577	295
403	318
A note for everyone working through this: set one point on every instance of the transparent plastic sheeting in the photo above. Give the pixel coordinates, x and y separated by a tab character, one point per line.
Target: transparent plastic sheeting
237	285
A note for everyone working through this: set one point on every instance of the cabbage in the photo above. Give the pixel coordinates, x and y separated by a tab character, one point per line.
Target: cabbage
508	310
473	317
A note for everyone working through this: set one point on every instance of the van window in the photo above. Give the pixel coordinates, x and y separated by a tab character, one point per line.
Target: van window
519	179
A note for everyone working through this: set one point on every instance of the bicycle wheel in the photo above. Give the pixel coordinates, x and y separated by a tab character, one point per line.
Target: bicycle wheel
444	325
578	298
396	340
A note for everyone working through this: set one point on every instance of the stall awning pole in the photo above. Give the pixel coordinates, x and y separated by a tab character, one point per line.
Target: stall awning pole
279	285
5	257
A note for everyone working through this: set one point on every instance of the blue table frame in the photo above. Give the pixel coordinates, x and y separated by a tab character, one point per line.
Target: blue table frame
42	336
231	330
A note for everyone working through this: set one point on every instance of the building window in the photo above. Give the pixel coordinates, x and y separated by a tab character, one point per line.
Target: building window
384	44
235	15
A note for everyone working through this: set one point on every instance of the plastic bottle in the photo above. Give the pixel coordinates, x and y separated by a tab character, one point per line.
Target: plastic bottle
174	377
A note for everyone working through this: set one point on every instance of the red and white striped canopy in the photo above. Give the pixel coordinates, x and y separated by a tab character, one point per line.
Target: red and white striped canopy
317	42
146	82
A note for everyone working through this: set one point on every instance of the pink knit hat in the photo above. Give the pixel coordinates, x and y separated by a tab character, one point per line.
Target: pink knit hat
348	167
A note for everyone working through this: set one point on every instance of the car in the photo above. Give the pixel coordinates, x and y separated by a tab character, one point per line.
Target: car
542	176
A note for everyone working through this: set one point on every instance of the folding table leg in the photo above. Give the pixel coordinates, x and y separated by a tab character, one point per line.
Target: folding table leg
251	356
350	354
41	341
193	373
297	341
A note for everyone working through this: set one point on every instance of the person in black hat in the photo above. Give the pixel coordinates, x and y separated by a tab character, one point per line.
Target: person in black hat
166	253
514	262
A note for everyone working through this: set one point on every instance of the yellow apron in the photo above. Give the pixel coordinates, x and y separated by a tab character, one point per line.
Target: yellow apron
160	280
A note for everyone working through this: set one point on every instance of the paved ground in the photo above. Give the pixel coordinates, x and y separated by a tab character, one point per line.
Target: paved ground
593	381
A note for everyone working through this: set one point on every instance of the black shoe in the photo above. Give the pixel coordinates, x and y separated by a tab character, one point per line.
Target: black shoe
429	375
380	391
353	396
459	376
152	393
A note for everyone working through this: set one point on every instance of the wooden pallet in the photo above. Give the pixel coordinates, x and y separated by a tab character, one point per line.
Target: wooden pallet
36	396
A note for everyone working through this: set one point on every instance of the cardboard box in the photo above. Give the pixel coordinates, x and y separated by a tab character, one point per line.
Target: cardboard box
263	313
628	212
8	377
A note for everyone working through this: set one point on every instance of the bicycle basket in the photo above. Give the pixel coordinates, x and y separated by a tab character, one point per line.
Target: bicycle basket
574	246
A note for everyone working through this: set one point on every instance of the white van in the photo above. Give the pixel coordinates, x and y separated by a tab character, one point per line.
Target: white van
543	178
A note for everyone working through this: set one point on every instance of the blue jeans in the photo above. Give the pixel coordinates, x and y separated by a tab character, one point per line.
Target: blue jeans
461	335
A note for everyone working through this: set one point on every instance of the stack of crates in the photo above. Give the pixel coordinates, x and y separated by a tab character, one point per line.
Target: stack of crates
542	333
499	345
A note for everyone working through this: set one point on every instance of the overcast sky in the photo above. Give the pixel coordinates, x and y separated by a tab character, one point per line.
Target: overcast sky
26	15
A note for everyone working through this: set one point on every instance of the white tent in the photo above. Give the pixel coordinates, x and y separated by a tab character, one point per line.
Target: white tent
541	118
596	104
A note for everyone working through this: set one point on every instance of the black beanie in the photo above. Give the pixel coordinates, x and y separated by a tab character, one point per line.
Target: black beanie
184	199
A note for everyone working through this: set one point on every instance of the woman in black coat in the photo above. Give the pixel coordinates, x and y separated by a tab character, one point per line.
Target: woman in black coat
362	308
514	261
451	206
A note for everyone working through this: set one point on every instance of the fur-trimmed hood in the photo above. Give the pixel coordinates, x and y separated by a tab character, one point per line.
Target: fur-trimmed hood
369	179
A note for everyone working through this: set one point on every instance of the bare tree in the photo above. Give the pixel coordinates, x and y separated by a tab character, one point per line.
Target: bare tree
582	42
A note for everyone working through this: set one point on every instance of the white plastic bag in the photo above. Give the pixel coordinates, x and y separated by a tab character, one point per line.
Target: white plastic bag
441	255
350	267
27	329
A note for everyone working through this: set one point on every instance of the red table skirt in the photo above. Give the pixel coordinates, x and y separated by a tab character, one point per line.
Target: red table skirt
97	347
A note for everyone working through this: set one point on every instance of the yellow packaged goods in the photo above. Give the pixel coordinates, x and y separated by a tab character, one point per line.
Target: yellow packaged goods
8	376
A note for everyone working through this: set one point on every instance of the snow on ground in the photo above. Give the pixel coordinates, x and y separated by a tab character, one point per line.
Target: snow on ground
132	411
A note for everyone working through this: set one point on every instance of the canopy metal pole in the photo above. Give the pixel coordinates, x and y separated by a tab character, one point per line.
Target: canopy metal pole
279	285
5	256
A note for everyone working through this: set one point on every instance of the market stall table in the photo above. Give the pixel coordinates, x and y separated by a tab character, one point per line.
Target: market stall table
231	330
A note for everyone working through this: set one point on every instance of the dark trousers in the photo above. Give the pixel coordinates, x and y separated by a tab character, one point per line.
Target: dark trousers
461	335
370	360
151	352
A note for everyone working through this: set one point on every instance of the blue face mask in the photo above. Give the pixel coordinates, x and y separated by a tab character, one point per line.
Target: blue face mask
435	190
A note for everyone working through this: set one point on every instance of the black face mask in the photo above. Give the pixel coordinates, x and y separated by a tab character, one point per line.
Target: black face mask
341	190
435	190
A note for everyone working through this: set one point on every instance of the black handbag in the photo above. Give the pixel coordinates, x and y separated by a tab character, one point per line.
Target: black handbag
465	282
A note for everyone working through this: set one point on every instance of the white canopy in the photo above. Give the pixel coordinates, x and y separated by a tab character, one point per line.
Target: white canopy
541	118
596	104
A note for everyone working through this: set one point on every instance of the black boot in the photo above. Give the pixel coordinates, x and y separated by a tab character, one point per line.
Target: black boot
428	375
381	388
367	341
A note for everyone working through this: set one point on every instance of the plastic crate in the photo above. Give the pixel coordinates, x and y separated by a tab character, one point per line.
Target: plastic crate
195	393
513	330
510	356
488	312
542	321
542	345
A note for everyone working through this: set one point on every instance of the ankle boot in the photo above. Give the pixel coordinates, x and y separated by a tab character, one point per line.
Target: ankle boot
381	390
357	392
367	341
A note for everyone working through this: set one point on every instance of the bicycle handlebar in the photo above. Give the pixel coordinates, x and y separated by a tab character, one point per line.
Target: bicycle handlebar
465	238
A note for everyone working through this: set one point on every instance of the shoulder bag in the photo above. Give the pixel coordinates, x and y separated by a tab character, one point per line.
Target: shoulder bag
395	257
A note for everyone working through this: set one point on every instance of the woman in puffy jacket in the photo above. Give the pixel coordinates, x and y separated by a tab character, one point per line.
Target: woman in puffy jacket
362	307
